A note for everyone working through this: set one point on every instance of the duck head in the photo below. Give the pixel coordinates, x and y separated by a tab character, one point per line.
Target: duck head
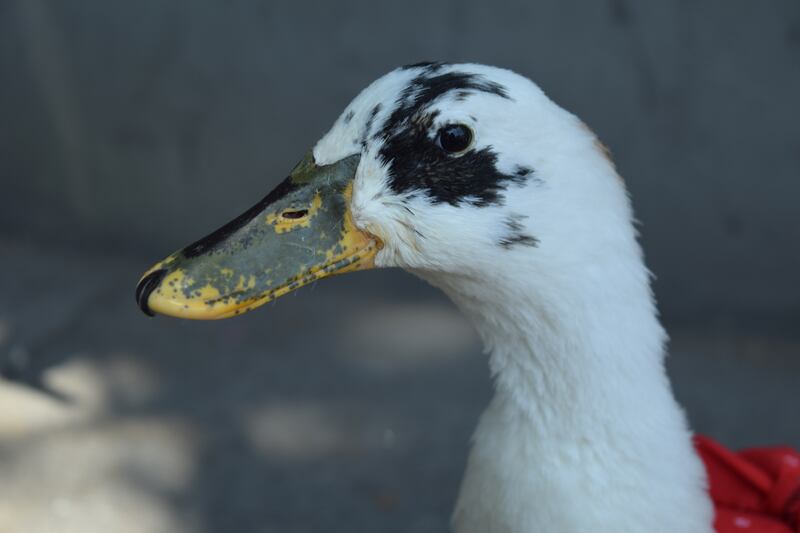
455	170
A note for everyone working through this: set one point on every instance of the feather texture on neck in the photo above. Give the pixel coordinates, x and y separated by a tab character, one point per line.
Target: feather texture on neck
583	433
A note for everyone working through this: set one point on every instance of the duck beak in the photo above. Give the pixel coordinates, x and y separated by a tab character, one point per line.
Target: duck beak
300	232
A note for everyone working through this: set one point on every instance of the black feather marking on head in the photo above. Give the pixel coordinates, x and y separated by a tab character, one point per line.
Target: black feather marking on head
368	126
415	160
515	235
424	89
429	66
521	171
523	174
349	116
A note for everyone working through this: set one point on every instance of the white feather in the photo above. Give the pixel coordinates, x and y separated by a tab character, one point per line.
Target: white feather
583	433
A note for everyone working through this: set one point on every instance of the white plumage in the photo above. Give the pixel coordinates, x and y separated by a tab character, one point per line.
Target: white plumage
583	433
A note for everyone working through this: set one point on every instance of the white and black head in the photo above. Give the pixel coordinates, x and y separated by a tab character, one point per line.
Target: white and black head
444	169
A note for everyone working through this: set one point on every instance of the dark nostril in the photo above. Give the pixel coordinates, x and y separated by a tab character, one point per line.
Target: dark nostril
145	287
291	215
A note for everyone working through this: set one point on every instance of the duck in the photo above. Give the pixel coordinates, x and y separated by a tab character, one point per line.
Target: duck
471	178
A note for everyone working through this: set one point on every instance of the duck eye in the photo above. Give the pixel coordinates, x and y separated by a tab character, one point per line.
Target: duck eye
454	138
294	214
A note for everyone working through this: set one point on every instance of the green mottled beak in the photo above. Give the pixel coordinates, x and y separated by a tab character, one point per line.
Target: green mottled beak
300	232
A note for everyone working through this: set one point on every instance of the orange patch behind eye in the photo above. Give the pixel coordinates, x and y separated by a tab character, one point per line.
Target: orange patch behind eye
605	152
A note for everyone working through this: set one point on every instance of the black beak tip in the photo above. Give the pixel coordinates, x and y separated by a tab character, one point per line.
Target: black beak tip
146	286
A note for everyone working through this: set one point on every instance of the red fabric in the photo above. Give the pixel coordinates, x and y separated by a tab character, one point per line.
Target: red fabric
754	491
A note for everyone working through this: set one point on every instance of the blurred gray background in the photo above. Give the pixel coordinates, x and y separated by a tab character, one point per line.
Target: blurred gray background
129	129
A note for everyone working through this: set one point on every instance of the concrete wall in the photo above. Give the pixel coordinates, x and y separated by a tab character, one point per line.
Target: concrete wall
142	125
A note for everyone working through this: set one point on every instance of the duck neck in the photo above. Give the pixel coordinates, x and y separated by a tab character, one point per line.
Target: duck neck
583	424
572	365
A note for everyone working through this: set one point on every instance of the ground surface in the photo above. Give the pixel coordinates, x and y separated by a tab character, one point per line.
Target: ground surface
345	408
